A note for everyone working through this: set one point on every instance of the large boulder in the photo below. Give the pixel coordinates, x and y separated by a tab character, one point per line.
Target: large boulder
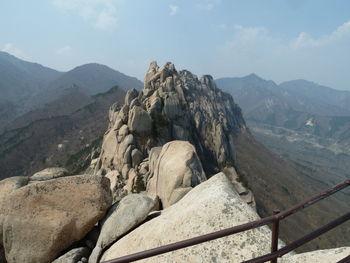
178	169
130	96
318	256
123	216
139	121
116	184
7	186
211	206
40	220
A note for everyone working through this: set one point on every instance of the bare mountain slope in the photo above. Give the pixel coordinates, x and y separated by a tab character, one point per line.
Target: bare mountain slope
53	140
26	86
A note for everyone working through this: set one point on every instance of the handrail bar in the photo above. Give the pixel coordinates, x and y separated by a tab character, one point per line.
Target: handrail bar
232	230
314	199
301	241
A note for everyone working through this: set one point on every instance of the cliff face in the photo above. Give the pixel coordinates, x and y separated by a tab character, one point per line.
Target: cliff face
174	105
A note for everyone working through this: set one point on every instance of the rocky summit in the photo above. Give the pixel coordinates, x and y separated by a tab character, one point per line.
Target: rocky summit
166	172
173	106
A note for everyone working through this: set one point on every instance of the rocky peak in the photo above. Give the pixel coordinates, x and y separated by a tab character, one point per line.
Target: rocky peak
173	105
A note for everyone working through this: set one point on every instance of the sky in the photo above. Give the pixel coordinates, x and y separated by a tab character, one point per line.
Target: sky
276	39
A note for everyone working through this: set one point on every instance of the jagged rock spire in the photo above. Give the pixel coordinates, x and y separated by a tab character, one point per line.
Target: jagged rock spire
173	105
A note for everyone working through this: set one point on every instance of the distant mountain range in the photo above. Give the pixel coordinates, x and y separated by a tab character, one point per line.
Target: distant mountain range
255	94
297	105
26	86
302	121
48	117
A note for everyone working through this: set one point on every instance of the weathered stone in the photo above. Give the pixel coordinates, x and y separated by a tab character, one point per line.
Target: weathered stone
113	112
172	108
178	169
116	184
211	206
109	148
131	180
113	177
123	216
155	105
124	113
122	132
150	75
123	155
8	185
243	191
136	157
125	171
153	158
49	173
127	155
130	95
42	219
134	102
73	255
139	121
118	123
94	162
143	168
169	83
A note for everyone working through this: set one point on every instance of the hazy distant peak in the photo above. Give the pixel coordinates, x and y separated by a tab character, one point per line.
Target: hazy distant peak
26	66
299	83
92	65
253	76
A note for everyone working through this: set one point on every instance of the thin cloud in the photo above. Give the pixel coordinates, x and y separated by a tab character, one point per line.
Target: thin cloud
66	50
12	49
207	6
306	40
102	14
260	36
255	49
173	10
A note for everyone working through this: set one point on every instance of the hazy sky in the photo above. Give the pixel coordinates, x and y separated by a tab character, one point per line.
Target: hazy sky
277	39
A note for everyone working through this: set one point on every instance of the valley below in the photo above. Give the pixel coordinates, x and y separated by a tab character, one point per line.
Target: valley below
327	161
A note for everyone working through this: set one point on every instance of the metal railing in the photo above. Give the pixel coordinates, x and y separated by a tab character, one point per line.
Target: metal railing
274	220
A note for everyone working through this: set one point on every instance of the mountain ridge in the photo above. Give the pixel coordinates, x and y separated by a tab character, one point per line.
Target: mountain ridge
27	86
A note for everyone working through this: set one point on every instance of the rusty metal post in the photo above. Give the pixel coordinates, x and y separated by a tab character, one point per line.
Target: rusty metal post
275	233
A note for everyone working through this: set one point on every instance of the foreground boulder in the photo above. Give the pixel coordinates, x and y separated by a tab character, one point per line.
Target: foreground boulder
41	219
123	216
210	206
7	186
177	170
